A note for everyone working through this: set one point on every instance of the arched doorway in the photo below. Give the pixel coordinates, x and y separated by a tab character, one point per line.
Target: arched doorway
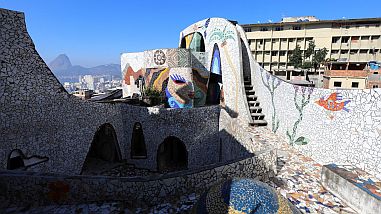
213	95
172	155
104	149
138	144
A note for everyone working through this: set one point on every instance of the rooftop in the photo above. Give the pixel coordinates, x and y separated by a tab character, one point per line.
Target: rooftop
308	20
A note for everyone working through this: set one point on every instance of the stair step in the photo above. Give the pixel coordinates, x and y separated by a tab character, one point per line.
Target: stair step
253	102
259	123
250	91
255	108
248	86
257	114
251	97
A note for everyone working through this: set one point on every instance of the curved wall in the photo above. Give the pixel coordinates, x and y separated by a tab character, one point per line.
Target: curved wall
331	126
41	119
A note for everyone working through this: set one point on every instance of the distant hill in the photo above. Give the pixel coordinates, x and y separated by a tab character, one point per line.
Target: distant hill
66	72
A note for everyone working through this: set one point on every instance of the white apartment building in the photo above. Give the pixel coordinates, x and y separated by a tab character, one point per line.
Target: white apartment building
351	41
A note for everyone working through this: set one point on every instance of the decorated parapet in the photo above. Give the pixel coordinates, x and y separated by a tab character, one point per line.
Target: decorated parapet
191	75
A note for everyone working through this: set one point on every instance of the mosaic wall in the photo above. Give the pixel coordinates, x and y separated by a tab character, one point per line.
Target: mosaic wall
38	117
223	53
49	127
20	189
330	125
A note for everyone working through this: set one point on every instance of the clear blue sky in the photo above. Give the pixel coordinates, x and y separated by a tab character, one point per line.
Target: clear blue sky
96	32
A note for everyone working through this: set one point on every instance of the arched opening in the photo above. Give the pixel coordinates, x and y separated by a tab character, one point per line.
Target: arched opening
197	43
213	96
16	160
104	149
183	43
138	144
172	155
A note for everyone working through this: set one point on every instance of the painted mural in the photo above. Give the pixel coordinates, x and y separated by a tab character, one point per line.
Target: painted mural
179	92
333	103
200	81
151	77
271	83
330	126
302	98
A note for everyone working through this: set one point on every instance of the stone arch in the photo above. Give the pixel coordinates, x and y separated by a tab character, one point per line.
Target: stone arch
172	155
104	148
138	144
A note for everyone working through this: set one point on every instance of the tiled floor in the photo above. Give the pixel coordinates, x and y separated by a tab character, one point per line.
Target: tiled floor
298	178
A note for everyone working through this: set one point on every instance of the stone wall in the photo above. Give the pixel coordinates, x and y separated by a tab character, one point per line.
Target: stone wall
37	115
41	119
20	189
198	128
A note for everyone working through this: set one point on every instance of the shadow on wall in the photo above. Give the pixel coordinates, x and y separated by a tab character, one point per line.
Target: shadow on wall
104	148
172	155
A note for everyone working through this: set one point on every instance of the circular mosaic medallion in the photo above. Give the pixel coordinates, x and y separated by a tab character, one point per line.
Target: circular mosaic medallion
159	57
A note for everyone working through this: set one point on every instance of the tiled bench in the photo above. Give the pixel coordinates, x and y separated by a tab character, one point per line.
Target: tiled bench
357	188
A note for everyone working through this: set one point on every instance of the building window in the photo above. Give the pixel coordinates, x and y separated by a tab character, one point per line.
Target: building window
335	51
264	29
375	37
337	84
247	29
354	84
291	40
375	86
354	39
354	52
363	51
335	39
282	53
345	39
297	27
278	28
344	51
365	38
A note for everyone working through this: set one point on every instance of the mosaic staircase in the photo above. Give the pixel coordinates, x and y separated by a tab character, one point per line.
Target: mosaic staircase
255	109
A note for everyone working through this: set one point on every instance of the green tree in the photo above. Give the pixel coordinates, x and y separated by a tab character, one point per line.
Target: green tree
310	50
296	58
319	57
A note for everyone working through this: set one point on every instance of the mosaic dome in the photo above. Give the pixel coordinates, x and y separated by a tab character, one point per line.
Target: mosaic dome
240	195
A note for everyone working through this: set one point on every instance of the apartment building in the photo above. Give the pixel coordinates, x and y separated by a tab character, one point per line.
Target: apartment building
351	41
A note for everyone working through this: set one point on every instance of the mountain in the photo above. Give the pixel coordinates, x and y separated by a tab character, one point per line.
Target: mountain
66	72
61	62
